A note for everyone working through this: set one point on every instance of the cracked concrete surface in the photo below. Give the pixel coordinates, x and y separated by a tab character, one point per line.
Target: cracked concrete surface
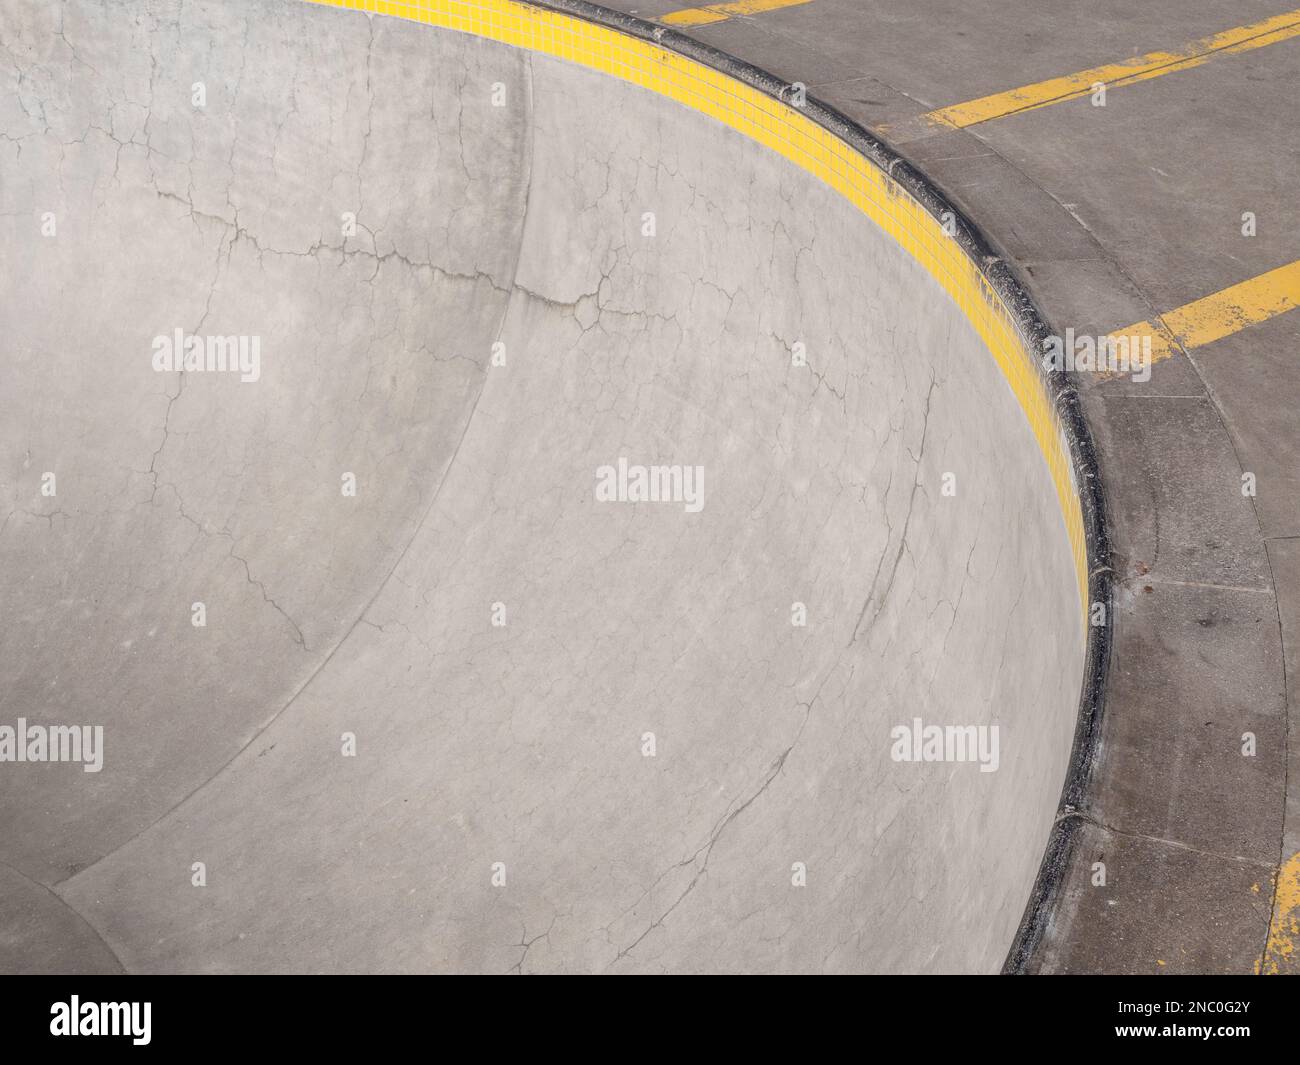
477	225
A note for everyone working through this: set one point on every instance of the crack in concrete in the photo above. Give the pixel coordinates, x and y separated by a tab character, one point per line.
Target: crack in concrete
902	541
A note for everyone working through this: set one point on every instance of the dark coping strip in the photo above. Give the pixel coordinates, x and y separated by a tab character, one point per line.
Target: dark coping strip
1033	325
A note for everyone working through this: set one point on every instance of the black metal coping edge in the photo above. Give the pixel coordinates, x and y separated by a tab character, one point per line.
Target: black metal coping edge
1034	328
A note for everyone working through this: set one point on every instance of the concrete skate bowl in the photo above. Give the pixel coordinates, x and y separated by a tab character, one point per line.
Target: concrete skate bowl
393	673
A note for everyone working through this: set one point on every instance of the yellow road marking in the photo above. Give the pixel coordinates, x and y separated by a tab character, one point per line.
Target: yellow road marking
1280	954
703	16
1115	75
1220	314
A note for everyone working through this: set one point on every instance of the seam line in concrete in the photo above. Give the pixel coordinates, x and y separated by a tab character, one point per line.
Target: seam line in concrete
1273	933
71	909
1148	579
1079	815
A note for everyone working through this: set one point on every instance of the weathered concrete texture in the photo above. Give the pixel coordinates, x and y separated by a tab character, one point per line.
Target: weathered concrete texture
41	935
174	489
477	225
1113	215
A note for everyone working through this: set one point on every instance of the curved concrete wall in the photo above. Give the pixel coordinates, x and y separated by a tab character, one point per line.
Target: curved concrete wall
500	325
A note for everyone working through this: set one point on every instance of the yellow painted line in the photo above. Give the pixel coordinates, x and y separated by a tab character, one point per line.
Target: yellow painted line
1280	953
1115	75
1221	314
710	13
794	136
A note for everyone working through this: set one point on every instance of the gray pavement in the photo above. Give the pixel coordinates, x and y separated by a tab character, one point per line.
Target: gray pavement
472	716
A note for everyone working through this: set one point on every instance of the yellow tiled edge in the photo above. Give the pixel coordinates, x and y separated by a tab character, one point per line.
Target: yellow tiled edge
794	136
